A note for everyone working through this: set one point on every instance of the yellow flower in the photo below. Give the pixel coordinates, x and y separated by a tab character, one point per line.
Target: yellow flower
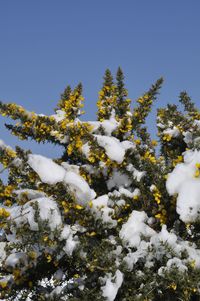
16	273
49	258
137	141
69	149
3	284
173	286
32	255
90	204
8	203
79	207
197	173
167	137
91	233
154	142
197	165
193	263
91	159
45	238
4	213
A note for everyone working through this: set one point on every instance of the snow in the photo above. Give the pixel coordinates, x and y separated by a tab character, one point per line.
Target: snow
70	167
182	181
112	285
15	259
2	252
128	193
187	137
52	173
174	132
109	125
86	149
138	175
95	125
100	207
79	187
176	262
71	242
48	212
2	144
152	247
135	228
113	147
118	180
48	171
30	193
59	116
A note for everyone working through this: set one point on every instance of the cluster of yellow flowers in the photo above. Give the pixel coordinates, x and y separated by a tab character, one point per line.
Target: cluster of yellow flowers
195	116
107	101
13	110
7	156
144	100
4	213
140	112
78	133
85	175
125	125
157	195
197	172
72	106
150	157
179	159
75	145
7	191
167	137
162	213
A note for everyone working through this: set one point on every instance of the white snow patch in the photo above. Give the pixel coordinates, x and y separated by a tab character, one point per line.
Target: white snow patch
134	228
59	116
175	132
112	285
71	241
100	206
118	180
48	171
15	259
52	173
86	149
48	211
113	147
181	181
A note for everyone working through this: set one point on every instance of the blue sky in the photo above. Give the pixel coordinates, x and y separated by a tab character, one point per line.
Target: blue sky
47	44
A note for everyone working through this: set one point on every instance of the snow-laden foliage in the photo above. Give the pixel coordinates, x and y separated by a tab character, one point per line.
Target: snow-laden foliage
117	216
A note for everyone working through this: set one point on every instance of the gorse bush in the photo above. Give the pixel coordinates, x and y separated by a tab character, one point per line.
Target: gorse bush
117	217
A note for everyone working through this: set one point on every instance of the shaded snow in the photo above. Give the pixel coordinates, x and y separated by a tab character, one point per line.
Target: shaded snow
48	211
135	228
182	181
112	285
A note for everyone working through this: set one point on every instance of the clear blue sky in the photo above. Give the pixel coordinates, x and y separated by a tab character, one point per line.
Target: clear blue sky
47	44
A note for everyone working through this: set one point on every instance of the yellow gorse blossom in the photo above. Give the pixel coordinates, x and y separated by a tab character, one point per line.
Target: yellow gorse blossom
167	137
150	157
4	213
197	171
3	284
